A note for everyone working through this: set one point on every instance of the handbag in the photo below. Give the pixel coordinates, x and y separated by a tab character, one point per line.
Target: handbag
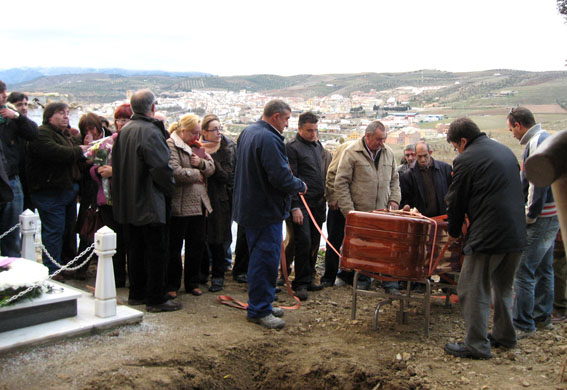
91	223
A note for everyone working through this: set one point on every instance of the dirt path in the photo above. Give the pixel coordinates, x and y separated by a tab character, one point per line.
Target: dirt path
210	346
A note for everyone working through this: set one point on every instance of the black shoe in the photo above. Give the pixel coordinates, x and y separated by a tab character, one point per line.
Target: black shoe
215	288
278	290
497	344
166	306
461	350
280	282
363	285
136	302
315	287
327	283
302	294
242	278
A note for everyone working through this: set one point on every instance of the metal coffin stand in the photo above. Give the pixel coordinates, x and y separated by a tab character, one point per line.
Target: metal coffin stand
398	246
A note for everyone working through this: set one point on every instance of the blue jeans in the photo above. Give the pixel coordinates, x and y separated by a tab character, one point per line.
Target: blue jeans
53	207
265	245
11	245
534	277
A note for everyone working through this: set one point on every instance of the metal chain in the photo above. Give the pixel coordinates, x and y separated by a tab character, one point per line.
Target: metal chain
21	294
66	266
61	269
9	231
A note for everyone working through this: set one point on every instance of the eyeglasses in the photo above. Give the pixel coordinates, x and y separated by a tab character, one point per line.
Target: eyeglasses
214	130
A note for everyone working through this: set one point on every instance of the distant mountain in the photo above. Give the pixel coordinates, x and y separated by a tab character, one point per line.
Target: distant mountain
21	75
463	89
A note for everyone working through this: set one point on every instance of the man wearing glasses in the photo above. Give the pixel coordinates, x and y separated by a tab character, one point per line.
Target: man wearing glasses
486	189
534	277
367	179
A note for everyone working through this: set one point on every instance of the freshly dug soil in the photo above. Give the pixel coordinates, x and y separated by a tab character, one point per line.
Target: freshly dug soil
207	345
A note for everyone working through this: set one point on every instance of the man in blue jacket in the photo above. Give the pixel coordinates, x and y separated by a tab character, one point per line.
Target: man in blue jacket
261	200
534	277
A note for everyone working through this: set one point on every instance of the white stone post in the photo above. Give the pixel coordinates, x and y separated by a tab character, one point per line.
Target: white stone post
28	226
105	289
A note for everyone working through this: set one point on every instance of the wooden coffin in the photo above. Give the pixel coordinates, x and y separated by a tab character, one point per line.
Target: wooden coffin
397	244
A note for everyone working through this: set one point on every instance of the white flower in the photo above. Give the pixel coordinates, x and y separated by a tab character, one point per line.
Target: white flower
23	273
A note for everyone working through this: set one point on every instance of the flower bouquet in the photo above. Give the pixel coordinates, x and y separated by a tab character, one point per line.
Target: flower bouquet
17	275
100	151
99	154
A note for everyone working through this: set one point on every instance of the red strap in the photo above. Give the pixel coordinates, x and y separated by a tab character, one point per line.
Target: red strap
230	301
317	226
286	278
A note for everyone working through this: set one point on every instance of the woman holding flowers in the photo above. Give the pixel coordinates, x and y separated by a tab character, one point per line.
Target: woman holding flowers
101	172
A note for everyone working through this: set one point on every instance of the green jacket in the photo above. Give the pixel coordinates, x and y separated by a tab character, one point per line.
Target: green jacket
51	161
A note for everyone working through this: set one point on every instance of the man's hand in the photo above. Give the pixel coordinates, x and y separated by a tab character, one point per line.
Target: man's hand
303	193
297	216
393	205
105	171
406	207
334	205
9	113
452	241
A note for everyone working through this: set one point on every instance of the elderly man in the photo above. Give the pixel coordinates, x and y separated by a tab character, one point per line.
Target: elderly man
534	277
486	188
261	201
142	186
15	130
425	185
367	179
408	160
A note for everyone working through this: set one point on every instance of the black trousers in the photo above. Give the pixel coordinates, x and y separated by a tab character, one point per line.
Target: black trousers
147	262
336	234
192	231
241	254
306	238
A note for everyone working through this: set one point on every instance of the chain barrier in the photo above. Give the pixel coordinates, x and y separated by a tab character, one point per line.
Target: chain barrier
9	231
61	268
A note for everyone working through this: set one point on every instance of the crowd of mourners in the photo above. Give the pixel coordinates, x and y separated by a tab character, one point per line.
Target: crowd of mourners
171	193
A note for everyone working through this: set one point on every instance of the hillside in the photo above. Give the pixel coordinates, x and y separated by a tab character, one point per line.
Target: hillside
470	89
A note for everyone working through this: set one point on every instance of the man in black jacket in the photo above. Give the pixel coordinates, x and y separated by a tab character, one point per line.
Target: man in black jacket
425	185
305	159
15	130
486	188
142	184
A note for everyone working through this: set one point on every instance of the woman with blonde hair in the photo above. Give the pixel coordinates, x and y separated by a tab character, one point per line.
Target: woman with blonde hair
190	203
223	152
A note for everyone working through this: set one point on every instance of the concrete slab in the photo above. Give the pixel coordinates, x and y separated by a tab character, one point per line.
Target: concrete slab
85	322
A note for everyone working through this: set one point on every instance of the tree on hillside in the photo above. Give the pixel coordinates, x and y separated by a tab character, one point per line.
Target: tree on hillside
562	8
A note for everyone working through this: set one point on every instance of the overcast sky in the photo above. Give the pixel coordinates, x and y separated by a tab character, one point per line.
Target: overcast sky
241	37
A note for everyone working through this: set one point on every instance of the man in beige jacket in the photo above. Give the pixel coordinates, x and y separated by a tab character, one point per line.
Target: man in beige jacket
367	179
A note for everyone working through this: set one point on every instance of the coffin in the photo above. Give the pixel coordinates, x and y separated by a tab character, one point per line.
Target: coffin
398	245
